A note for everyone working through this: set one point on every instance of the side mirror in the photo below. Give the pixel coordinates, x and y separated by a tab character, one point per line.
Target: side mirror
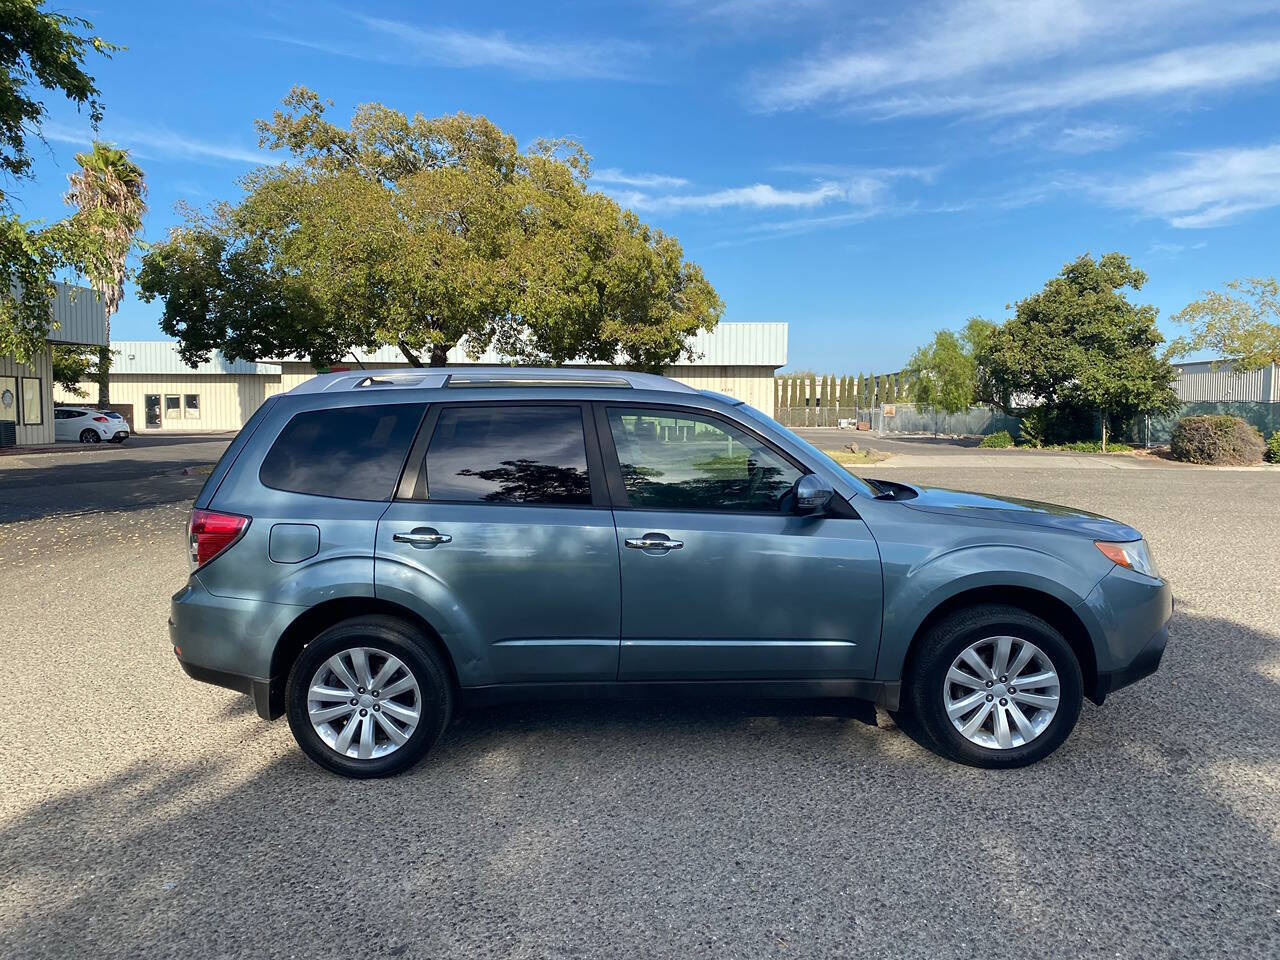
812	493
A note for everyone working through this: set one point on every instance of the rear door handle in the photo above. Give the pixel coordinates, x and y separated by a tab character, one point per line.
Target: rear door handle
653	543
423	538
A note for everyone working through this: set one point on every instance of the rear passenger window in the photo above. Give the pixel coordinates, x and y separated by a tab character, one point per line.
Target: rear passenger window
515	454
351	452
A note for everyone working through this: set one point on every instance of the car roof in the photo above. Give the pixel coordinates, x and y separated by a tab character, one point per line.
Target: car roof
454	378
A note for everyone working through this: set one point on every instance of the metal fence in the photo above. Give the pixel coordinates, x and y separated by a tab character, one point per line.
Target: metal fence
1154	431
901	418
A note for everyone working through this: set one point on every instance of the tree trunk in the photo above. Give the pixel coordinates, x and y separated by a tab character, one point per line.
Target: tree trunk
439	355
104	370
413	358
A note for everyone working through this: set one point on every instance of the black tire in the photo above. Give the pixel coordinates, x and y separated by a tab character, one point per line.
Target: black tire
923	704
403	641
90	436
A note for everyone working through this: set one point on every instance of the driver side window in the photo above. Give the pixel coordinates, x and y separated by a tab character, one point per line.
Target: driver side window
684	461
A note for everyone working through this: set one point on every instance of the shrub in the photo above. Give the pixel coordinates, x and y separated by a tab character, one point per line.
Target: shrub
1216	440
1273	448
997	441
1093	446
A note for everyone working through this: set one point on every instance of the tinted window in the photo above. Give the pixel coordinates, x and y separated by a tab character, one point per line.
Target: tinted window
351	452
513	454
684	461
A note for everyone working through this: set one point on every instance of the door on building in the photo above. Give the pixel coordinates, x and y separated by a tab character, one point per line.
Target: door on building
152	402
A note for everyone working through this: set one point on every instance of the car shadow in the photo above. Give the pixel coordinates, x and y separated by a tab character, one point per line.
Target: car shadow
669	828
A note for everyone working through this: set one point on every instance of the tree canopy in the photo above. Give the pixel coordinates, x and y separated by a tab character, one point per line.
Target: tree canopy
1079	344
38	50
1242	325
423	233
948	374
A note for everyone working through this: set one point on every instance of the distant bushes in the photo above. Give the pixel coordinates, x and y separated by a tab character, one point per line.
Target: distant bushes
1217	440
1091	446
997	441
1273	448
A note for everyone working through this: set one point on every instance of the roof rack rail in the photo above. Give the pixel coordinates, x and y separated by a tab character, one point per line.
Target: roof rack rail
492	380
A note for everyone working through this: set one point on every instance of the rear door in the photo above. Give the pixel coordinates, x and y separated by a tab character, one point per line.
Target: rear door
720	579
502	527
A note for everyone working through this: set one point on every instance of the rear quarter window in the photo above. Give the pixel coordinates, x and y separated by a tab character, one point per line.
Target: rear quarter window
355	453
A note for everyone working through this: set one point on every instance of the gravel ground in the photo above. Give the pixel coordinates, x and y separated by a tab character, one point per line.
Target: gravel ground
146	815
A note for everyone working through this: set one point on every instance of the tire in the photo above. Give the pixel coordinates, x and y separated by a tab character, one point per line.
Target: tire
381	637
928	688
90	436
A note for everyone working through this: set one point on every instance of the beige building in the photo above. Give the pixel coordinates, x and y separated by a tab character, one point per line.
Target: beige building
157	391
27	389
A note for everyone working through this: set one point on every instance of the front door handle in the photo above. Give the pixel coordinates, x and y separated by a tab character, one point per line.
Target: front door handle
653	542
423	538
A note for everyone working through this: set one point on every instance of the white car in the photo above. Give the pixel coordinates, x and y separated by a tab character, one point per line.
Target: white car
88	425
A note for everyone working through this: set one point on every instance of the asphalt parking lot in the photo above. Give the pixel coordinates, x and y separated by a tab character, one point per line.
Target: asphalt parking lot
146	815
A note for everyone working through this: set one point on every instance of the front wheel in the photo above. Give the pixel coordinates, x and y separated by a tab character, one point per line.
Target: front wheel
994	686
369	697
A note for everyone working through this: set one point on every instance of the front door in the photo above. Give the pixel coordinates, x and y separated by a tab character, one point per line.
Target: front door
506	533
720	579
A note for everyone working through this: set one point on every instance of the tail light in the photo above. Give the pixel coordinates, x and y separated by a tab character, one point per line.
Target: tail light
212	532
100	419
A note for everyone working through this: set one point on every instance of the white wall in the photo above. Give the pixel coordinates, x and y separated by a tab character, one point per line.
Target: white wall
41	367
226	401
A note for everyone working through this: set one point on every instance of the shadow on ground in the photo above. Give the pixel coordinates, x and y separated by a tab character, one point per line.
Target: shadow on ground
666	829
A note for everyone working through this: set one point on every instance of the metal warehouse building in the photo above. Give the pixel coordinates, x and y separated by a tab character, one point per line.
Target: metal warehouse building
27	389
1217	381
157	391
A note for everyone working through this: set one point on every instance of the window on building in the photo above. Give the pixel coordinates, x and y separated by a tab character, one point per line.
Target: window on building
678	461
351	452
518	454
32	402
9	398
191	405
152	403
172	407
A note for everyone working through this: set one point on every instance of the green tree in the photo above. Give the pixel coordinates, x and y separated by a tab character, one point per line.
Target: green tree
866	392
891	395
38	50
424	234
109	192
73	365
1242	326
1080	345
943	375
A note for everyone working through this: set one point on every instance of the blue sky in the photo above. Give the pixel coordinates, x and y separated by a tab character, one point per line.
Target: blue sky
868	173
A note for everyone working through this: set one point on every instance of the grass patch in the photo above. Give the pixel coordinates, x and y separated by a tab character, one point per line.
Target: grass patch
847	458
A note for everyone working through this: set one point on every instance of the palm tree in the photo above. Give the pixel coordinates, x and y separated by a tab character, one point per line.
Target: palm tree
109	193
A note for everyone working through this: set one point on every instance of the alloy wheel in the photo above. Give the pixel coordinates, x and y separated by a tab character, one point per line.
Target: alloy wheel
1001	692
364	703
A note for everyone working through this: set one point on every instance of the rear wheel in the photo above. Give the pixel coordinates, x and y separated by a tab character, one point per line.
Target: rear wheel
90	436
994	686
369	697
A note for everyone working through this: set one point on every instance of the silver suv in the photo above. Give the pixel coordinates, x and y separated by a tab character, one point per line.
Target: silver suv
374	549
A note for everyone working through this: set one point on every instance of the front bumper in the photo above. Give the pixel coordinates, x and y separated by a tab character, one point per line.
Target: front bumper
1131	615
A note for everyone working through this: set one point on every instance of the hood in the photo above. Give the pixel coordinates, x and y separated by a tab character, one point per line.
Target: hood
982	506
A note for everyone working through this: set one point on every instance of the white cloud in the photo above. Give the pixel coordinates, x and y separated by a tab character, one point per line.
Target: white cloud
614	175
1206	189
862	189
1003	57
401	41
159	143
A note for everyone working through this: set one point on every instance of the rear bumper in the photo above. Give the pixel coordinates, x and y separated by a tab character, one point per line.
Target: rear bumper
268	695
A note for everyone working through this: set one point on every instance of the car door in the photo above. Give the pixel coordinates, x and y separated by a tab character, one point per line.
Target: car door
503	529
720	578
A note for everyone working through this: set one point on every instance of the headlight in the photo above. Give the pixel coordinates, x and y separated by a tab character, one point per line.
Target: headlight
1132	554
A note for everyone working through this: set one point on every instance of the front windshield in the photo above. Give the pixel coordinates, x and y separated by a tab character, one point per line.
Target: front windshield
862	486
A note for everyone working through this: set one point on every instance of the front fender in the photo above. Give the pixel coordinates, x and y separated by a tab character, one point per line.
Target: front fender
913	590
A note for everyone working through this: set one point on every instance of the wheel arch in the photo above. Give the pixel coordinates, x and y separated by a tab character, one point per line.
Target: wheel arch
315	620
1044	605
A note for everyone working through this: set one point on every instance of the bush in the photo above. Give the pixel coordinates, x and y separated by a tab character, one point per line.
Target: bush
1273	448
997	441
1093	446
1216	440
